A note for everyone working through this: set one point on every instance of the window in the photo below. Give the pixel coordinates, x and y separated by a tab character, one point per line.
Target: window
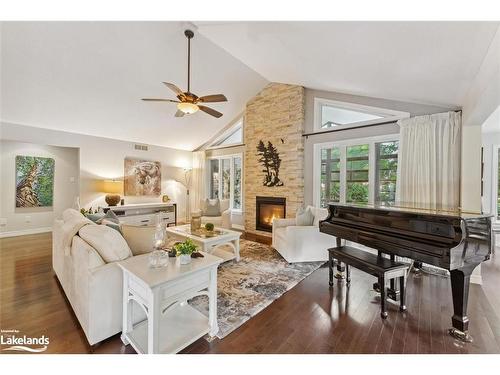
498	185
357	174
330	114
387	165
230	137
214	179
356	171
229	179
330	175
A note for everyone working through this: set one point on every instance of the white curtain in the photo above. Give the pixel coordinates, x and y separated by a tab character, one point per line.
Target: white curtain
429	161
198	189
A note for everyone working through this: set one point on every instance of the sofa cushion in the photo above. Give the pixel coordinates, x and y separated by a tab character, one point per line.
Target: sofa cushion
304	216
110	244
212	207
139	238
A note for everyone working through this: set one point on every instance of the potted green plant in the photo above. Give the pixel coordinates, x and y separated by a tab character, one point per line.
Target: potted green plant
209	227
184	250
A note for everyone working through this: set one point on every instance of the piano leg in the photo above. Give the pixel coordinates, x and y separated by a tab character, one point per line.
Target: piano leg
460	281
340	267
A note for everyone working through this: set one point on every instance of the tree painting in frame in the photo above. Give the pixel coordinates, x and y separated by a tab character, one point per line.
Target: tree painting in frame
34	181
142	177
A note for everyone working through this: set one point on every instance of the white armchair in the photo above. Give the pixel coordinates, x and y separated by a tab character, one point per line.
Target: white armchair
302	243
223	221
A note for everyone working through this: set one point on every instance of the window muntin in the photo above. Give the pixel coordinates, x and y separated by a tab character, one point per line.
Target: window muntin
330	175
357	173
386	172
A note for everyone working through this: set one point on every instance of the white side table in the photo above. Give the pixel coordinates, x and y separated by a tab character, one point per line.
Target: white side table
162	293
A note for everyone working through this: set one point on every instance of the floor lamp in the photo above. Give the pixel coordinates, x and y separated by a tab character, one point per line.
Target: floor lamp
187	185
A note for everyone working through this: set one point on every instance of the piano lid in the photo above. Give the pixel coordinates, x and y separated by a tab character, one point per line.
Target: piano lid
408	208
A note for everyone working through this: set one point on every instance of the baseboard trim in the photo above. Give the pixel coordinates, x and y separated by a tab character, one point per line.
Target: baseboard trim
24	232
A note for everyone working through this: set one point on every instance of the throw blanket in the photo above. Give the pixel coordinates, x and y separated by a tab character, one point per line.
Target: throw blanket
73	221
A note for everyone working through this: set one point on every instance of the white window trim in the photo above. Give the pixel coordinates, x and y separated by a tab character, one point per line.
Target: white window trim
494	182
234	127
389	114
237	211
371	141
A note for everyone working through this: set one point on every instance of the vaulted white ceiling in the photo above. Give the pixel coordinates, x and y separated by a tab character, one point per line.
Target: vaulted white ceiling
89	77
422	62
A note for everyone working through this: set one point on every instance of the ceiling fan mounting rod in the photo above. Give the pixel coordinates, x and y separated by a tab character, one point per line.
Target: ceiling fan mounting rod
189	34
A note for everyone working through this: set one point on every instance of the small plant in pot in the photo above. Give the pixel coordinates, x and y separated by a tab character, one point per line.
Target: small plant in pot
209	227
184	250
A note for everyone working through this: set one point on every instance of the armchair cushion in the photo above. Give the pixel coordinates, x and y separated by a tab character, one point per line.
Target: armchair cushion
211	207
304	216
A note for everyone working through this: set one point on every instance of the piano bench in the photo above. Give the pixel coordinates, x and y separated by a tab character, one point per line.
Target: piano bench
382	268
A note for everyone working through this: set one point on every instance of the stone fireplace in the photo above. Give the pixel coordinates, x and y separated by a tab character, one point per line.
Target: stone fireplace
274	115
268	209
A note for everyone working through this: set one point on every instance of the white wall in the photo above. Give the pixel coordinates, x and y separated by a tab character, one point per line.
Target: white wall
103	158
490	142
66	187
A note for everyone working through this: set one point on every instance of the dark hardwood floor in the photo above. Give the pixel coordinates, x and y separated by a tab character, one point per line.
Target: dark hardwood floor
310	318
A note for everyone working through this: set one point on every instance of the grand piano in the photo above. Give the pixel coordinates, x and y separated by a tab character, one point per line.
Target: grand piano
452	240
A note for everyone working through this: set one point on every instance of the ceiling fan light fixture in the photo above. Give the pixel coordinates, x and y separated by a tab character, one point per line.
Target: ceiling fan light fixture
187	108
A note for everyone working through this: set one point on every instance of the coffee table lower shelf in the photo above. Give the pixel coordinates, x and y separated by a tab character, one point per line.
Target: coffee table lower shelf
179	327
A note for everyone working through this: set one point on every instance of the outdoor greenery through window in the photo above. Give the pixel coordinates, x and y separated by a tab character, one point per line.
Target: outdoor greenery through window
359	171
226	184
330	175
357	174
387	165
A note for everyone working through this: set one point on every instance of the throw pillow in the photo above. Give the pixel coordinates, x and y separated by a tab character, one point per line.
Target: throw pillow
110	245
96	218
139	238
115	227
304	217
111	216
212	207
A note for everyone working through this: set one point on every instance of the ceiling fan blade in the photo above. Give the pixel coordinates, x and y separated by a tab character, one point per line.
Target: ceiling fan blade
159	100
212	98
179	113
210	111
174	88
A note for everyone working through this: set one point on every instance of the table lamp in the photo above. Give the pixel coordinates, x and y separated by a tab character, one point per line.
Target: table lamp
112	188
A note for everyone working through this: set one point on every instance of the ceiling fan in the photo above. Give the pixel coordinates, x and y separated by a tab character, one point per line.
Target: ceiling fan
188	102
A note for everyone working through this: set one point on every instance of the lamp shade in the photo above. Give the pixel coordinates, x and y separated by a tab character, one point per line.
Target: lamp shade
112	186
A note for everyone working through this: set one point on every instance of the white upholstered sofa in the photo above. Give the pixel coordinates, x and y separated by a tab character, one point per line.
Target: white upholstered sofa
92	285
302	243
222	221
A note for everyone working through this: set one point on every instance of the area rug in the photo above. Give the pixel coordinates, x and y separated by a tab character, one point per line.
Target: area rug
247	287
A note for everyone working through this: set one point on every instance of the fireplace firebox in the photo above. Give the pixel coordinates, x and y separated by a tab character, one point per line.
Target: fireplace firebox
268	209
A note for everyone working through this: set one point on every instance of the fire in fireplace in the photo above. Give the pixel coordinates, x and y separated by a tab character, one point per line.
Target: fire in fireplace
268	209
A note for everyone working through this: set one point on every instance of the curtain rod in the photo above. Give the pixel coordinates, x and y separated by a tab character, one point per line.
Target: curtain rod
358	127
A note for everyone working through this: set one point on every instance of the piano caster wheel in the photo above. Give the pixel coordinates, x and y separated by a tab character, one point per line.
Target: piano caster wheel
459	335
384	315
339	276
402	308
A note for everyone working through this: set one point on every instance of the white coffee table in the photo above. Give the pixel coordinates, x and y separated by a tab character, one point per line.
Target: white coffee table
162	293
211	244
